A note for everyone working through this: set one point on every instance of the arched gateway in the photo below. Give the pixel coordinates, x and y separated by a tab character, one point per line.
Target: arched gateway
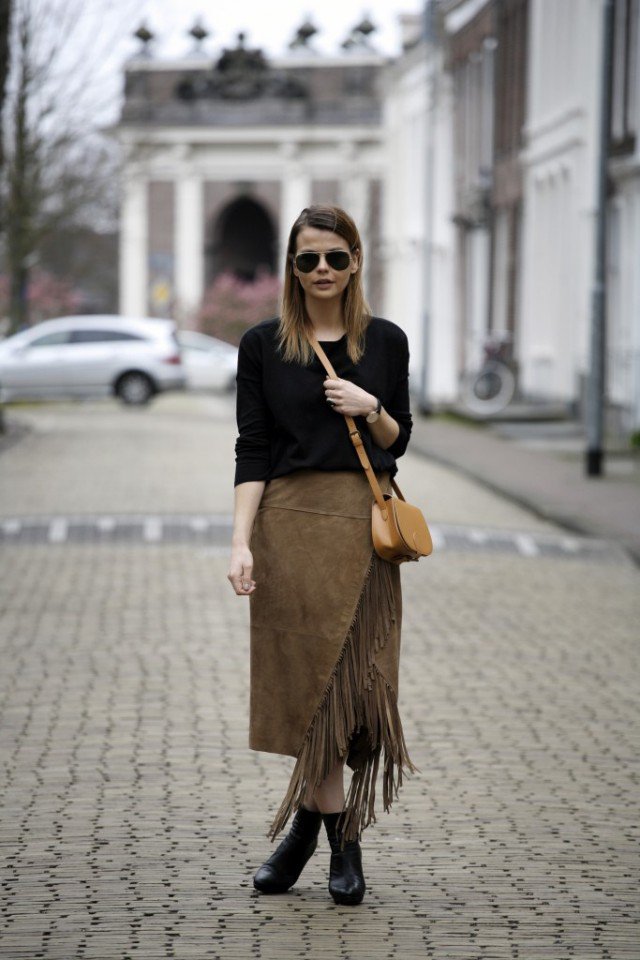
243	241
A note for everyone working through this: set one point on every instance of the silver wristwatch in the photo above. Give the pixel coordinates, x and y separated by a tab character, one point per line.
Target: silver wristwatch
373	416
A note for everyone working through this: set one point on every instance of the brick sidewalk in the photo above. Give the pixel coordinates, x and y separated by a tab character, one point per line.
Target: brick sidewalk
133	814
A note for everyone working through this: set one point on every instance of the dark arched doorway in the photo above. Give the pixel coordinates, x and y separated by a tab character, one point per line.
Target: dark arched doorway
243	241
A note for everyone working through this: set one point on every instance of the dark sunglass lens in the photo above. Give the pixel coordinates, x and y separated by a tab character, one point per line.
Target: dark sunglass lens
306	262
338	259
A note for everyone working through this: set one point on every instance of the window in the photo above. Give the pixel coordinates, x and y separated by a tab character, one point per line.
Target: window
625	75
101	336
51	339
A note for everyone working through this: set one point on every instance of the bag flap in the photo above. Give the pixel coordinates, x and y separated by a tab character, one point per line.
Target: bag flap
412	526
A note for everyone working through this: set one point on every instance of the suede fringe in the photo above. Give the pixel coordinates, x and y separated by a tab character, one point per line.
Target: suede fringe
357	701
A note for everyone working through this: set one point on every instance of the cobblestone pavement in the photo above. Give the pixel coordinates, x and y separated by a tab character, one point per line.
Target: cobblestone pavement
133	814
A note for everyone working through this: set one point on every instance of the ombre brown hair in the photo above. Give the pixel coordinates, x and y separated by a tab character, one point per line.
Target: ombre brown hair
294	321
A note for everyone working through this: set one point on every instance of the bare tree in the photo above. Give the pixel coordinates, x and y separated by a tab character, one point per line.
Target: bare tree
59	170
5	21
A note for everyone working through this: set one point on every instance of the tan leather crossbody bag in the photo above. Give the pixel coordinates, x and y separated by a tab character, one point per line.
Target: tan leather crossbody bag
399	529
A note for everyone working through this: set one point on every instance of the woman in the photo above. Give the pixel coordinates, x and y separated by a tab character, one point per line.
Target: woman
325	610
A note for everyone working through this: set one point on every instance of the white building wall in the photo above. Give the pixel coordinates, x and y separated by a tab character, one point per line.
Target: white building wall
623	300
559	163
623	274
417	224
443	374
403	208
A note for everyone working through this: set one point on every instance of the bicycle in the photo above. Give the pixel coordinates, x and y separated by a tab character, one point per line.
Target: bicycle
492	388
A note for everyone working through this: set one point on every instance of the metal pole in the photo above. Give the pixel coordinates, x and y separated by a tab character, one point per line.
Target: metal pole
596	383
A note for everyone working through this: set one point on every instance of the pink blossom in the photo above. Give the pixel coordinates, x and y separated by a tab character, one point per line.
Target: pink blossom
231	305
47	296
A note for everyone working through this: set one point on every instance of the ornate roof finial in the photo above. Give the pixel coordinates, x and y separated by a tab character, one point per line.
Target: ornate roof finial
303	34
358	38
198	33
365	27
145	36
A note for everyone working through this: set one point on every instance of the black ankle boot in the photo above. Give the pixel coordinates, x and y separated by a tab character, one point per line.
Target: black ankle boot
346	880
287	862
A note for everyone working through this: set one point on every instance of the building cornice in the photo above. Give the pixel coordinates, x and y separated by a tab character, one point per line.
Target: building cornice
135	133
554	135
151	65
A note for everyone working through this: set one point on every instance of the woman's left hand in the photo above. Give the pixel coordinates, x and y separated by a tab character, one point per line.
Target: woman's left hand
345	397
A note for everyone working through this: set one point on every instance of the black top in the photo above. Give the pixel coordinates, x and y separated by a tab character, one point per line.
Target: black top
284	420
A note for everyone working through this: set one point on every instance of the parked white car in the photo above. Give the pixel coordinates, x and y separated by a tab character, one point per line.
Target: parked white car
210	364
130	358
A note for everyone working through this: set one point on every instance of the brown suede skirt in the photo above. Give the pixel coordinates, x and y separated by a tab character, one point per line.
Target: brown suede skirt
325	641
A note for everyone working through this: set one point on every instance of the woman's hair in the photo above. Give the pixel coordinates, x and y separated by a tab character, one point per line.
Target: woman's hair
294	320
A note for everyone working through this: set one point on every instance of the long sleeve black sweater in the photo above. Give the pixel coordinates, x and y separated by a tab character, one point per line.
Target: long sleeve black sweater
284	420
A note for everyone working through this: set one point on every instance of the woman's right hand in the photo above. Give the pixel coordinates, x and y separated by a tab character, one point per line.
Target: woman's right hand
240	569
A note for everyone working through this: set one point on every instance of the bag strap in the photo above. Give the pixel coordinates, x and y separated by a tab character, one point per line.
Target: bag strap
354	435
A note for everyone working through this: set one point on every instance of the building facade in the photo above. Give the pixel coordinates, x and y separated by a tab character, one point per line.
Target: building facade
469	162
223	153
502	97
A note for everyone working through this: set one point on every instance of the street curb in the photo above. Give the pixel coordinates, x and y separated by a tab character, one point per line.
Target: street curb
541	513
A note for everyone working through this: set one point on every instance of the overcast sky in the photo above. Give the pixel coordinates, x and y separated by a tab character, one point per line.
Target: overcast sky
271	25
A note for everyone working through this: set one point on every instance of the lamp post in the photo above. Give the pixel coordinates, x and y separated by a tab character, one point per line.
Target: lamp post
596	383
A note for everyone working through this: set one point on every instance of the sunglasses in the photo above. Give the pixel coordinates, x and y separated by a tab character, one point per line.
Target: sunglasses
336	259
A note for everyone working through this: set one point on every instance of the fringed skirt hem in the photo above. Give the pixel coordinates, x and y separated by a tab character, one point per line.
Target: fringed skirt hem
357	719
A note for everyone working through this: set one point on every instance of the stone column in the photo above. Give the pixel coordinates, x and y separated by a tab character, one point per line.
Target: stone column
295	194
354	198
189	244
133	248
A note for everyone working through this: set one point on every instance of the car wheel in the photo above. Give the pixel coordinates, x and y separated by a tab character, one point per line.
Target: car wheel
134	388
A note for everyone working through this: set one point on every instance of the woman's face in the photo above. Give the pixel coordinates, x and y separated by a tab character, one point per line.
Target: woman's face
324	282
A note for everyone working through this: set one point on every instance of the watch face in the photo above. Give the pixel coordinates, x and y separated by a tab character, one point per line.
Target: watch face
373	416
